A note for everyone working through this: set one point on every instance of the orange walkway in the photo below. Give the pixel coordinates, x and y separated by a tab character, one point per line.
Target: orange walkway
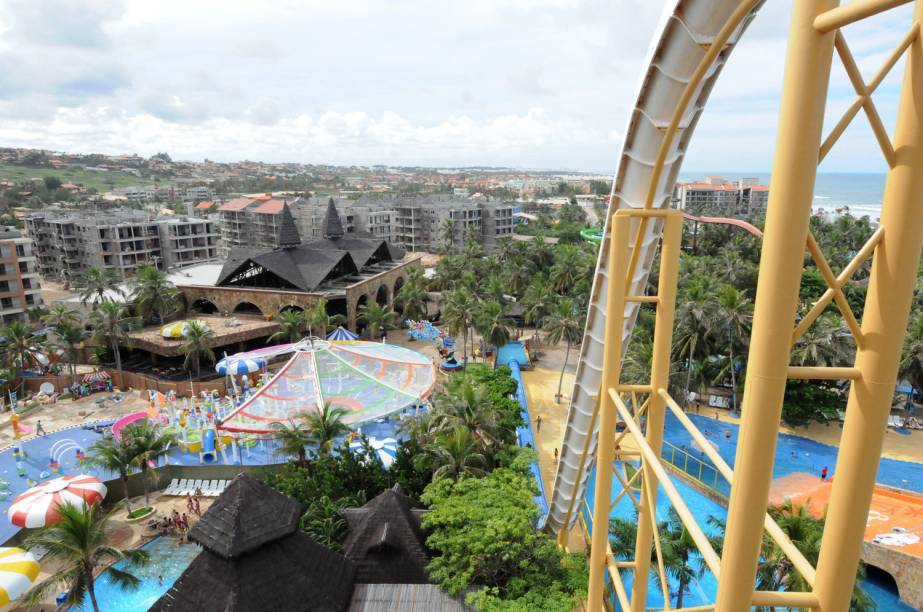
890	508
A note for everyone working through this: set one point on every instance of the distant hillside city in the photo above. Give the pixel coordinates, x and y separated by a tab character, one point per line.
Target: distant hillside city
66	213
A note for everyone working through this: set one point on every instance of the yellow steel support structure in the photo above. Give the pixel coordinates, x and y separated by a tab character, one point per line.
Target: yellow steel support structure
895	251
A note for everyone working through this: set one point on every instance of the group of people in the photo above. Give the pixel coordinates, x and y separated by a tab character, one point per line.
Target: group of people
175	524
193	503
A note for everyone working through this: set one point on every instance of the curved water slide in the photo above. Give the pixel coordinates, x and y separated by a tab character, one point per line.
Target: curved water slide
683	38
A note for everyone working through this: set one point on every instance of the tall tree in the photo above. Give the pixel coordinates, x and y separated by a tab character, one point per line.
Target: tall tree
70	337
458	315
411	299
292	325
153	294
59	314
492	322
95	282
326	426
564	324
114	456
826	342
376	316
455	454
912	358
197	341
735	314
111	323
294	436
694	321
22	347
319	320
77	546
148	443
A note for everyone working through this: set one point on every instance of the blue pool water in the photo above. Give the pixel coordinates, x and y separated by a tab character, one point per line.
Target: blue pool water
169	559
513	351
793	454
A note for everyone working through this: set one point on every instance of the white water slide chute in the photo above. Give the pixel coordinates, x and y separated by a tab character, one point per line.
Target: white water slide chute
684	38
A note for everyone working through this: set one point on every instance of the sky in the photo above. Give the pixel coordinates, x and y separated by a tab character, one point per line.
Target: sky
544	84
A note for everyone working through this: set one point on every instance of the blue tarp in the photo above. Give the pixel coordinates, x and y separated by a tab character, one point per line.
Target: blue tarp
524	435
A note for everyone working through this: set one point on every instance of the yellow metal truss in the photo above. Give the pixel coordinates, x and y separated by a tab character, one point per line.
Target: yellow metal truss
894	249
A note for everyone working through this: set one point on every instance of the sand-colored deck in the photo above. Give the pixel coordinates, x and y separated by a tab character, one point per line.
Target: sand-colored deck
889	509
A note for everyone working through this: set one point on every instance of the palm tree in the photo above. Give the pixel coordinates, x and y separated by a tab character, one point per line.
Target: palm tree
77	546
292	325
492	323
734	315
676	544
694	320
563	324
22	346
912	359
458	314
319	320
116	457
71	337
197	344
447	237
293	437
467	405
325	426
455	454
95	282
376	316
58	314
111	323
153	293
148	444
411	298
826	342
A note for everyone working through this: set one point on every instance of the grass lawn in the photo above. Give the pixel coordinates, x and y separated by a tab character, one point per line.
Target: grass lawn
102	181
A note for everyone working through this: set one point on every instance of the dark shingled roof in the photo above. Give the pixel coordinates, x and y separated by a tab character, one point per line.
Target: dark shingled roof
333	227
363	247
256	559
303	267
245	516
386	541
288	231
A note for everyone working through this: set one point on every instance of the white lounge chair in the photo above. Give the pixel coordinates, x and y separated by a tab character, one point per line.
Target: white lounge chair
220	487
181	488
171	490
208	487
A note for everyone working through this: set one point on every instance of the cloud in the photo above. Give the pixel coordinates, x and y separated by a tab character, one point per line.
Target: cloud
543	83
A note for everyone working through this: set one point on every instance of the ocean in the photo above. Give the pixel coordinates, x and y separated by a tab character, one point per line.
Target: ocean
861	193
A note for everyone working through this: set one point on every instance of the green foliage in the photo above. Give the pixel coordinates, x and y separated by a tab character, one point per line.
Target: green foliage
811	400
483	531
326	484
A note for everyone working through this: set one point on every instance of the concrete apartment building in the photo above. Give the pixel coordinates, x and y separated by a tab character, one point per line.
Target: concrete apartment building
66	244
413	223
719	197
19	280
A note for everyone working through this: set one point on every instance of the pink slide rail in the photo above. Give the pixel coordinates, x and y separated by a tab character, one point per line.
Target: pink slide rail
134	417
726	221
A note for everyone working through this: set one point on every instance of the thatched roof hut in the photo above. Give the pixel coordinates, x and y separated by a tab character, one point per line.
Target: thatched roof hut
386	541
256	559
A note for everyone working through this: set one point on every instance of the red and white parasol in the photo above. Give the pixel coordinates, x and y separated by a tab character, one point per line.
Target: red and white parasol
38	506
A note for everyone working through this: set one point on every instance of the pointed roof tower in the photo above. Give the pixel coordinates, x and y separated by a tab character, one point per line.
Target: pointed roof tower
386	540
333	227
288	231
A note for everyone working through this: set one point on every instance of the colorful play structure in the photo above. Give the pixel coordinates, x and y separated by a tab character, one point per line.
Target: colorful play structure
421	330
371	380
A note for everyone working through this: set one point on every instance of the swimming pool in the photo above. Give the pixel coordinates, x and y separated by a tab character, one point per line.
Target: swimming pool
793	453
169	559
513	351
703	590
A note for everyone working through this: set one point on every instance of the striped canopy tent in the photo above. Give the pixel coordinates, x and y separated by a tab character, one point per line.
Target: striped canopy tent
341	334
178	329
367	379
235	366
96	377
18	570
38	506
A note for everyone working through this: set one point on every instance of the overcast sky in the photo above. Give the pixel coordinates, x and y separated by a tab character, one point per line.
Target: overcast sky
523	83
